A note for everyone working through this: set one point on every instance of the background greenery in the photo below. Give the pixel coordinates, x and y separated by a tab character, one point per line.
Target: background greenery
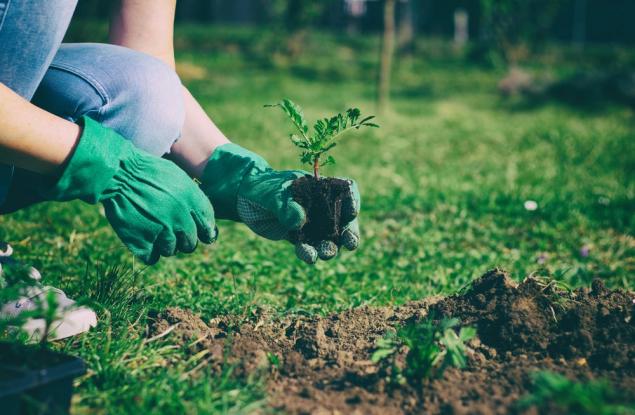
579	21
443	182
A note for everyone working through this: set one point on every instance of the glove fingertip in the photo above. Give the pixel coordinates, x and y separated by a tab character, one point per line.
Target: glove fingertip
149	258
206	230
165	243
349	240
326	250
214	235
306	253
185	242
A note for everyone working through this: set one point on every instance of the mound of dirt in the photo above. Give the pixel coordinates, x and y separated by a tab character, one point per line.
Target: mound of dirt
539	317
321	365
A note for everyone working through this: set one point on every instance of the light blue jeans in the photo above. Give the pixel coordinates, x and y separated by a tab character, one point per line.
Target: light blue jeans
135	94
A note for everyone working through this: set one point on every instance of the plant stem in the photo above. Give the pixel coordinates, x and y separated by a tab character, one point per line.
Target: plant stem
316	168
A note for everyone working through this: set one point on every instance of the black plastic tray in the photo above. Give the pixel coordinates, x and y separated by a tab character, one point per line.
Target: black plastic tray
35	380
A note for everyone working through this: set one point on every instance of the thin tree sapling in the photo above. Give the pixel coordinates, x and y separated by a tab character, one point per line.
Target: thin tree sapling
322	198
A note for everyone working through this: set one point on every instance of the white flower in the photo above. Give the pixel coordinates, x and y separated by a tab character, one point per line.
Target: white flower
531	205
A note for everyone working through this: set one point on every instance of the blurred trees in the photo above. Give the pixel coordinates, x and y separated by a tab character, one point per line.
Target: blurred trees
510	22
296	17
516	27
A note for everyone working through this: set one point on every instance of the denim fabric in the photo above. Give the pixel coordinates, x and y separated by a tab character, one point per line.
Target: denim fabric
30	34
136	95
31	31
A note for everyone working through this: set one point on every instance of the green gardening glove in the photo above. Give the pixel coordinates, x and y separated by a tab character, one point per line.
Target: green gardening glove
243	187
153	206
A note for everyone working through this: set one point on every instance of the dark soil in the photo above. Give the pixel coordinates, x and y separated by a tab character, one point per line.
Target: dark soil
326	202
323	363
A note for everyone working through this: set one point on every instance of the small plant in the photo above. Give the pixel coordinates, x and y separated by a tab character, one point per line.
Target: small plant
34	378
553	392
273	359
560	295
325	132
15	284
431	348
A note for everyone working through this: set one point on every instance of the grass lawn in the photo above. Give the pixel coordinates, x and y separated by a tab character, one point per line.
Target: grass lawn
443	184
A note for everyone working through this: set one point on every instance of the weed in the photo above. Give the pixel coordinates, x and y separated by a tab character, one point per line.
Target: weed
116	288
16	285
557	291
431	348
553	392
273	359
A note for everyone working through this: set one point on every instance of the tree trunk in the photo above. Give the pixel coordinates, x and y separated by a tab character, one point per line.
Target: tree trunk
461	28
406	30
387	51
579	23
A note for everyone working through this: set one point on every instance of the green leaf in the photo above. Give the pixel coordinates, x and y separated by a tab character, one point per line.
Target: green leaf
381	354
298	141
296	114
329	160
363	121
449	323
325	130
386	346
307	157
328	147
353	114
467	333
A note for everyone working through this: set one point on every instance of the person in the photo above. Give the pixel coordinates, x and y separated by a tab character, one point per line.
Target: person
112	124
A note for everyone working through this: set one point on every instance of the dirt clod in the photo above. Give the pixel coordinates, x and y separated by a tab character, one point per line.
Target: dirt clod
325	201
323	363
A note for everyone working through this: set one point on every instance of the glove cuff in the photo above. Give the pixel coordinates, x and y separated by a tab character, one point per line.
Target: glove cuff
90	170
226	169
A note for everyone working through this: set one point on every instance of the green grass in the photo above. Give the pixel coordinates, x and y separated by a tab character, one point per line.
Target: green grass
554	392
443	183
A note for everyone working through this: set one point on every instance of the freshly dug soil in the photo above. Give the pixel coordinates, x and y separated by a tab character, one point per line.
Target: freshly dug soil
323	201
321	365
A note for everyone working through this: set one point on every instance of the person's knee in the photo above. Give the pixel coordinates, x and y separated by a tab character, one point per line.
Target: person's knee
149	106
137	95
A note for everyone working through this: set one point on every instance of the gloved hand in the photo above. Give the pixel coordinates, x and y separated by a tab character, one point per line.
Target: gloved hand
153	206
243	187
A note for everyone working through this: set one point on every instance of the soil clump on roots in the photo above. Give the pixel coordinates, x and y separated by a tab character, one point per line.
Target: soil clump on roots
324	201
322	365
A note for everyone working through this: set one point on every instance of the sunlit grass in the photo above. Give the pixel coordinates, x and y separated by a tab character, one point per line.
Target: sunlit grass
443	184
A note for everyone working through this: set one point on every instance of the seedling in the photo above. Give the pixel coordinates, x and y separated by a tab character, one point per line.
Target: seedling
315	145
558	292
33	378
328	202
554	392
431	348
15	283
273	359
